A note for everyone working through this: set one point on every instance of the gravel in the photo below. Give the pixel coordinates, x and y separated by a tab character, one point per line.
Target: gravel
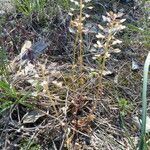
7	6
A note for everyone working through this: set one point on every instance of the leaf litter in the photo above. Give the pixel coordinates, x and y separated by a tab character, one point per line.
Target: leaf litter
61	112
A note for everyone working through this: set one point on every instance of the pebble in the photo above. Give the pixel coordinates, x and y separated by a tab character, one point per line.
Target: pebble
2	12
6	6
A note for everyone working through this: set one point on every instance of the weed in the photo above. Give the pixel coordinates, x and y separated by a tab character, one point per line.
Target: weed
27	7
46	89
64	3
29	144
106	41
10	97
78	24
124	106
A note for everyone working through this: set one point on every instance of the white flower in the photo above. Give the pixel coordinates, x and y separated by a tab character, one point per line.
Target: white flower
100	36
99	44
106	19
58	84
90	7
75	2
86	1
44	83
116	42
87	16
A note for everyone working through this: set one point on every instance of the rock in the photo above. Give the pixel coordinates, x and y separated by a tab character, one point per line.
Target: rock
32	117
2	12
135	65
7	6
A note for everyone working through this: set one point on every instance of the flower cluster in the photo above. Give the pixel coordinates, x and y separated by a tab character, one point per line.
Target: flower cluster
81	16
106	39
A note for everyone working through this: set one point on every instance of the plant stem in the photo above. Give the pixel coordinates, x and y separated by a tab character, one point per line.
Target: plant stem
80	36
144	103
100	86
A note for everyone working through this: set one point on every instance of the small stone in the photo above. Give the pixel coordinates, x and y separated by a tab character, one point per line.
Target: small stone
2	13
135	65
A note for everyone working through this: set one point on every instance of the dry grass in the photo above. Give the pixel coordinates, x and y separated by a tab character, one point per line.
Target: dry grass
56	104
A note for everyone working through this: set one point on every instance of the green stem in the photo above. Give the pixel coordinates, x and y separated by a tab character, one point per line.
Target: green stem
144	103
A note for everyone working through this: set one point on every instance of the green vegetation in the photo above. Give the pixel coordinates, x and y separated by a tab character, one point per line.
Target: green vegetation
28	7
75	80
144	102
125	107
